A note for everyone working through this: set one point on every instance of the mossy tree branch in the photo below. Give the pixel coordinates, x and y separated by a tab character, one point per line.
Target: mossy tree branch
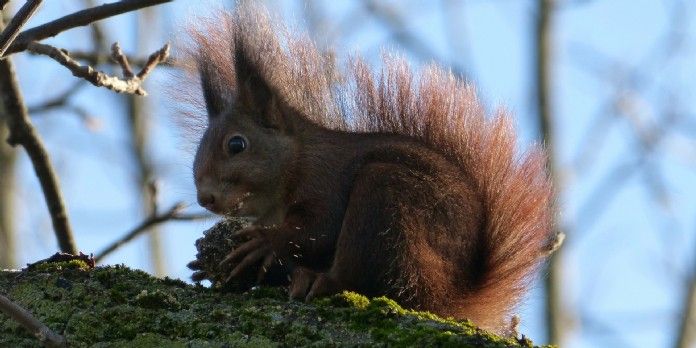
116	306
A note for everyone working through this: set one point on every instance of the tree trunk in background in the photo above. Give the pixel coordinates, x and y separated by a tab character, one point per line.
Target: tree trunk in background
555	316
8	160
139	116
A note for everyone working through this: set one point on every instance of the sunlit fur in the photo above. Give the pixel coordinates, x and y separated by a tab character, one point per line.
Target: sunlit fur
498	234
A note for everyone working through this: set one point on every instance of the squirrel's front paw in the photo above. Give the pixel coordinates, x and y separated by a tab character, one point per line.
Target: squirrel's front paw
307	284
257	248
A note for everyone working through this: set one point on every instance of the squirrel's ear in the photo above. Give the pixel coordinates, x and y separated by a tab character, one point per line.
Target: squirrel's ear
216	96
254	93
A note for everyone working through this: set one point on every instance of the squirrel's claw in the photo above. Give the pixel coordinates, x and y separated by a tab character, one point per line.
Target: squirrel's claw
250	252
194	265
248	260
199	276
324	285
250	232
241	250
300	282
265	266
307	284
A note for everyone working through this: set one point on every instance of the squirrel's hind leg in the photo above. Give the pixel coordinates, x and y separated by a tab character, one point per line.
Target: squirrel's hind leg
369	241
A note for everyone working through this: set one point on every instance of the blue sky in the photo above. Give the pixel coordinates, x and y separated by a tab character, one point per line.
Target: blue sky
623	269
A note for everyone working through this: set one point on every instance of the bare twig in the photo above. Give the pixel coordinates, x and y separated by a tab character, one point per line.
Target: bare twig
92	123
555	244
78	19
120	58
23	132
152	61
58	101
130	84
12	29
174	213
97	58
47	337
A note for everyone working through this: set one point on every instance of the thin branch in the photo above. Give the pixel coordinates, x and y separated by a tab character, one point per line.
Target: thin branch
58	101
12	29
97	58
174	213
130	84
120	58
78	19
47	337
152	61
23	132
92	123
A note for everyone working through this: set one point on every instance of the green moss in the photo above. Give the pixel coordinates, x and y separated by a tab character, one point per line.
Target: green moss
119	307
58	266
352	299
157	299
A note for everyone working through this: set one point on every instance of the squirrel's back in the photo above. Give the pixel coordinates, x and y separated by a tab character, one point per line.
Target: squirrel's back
433	107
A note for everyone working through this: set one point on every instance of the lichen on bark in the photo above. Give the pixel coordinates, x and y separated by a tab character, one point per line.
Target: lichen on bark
115	306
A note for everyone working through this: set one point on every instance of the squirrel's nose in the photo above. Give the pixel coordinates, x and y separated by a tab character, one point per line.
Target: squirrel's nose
206	199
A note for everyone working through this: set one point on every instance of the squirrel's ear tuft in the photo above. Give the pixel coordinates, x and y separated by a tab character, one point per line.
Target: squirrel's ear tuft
255	93
215	93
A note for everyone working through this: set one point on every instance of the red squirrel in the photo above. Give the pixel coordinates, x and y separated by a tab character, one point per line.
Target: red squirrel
392	183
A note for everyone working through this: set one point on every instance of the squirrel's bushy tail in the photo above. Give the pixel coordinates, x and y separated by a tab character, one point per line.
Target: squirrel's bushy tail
445	113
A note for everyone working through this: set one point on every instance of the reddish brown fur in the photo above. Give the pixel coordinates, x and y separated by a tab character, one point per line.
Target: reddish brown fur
421	197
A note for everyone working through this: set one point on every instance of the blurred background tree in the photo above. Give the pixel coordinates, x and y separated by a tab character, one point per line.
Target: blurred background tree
607	85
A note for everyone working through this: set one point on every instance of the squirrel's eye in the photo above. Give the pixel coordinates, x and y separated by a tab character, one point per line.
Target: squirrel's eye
236	144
